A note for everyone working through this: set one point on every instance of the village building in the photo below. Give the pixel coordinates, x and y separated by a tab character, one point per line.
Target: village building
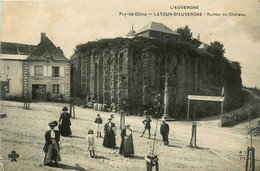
157	30
43	71
12	58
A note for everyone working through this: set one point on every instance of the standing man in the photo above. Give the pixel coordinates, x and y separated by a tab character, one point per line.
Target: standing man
72	107
147	123
110	134
98	122
164	130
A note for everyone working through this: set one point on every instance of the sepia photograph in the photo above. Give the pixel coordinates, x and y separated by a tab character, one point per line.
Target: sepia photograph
115	85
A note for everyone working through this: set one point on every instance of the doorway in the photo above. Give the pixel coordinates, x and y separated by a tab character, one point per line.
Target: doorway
39	92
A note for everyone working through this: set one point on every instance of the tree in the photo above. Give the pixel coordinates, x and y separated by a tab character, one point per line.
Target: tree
186	34
216	48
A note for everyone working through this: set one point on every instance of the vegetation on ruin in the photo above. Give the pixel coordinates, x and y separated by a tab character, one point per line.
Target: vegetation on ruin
221	71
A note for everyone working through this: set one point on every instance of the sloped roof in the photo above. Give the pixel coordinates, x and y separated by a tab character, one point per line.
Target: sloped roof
155	26
196	42
131	33
16	48
47	48
13	57
203	46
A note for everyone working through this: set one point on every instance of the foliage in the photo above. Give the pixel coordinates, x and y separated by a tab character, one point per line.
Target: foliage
186	34
216	48
214	70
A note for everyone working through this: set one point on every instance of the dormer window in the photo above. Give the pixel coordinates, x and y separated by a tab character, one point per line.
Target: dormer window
48	59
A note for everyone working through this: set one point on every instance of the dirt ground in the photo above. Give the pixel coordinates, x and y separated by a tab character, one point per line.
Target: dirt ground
23	131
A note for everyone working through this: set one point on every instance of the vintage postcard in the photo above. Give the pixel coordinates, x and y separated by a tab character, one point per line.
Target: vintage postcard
130	85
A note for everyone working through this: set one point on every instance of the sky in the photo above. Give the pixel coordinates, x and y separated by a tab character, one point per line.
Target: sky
68	23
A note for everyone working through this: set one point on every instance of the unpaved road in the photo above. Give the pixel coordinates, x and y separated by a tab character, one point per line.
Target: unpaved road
23	131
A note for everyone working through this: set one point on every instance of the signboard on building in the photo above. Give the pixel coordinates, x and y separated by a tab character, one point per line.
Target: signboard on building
206	98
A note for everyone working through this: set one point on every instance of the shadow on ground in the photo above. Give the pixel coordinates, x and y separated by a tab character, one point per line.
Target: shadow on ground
138	157
68	167
75	136
176	146
102	157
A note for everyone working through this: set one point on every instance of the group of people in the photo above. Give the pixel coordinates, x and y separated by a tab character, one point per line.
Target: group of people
127	145
52	136
164	129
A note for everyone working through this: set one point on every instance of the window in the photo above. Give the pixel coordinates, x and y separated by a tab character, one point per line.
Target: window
37	70
55	89
55	71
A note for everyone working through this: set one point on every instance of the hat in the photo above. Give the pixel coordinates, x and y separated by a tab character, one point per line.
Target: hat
127	125
53	124
65	109
98	114
110	118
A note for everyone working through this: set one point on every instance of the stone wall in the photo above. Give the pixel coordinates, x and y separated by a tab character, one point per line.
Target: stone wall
133	70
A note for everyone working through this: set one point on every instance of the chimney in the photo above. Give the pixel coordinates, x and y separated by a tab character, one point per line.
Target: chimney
43	35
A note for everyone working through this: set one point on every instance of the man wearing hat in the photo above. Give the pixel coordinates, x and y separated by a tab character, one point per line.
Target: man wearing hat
147	123
65	123
51	147
164	130
98	122
110	133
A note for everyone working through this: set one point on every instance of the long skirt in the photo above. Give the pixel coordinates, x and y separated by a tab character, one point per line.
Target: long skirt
65	130
127	146
52	154
109	140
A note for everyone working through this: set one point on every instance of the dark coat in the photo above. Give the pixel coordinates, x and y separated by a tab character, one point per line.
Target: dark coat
65	124
48	139
109	138
147	123
98	121
164	129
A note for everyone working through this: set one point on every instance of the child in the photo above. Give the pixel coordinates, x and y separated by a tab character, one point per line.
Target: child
98	122
91	143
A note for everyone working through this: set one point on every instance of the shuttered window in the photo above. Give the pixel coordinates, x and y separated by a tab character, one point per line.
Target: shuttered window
55	71
55	89
38	71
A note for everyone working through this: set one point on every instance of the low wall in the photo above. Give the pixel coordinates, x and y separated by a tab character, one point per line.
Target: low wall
240	115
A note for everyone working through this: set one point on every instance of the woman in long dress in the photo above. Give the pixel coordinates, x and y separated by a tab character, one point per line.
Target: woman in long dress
65	123
51	147
127	145
110	134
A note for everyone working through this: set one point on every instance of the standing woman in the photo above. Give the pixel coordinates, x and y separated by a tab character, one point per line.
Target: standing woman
64	123
51	147
110	134
127	145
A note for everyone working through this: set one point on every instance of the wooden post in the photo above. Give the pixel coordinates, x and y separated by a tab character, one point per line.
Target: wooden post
247	155
194	112
221	112
253	159
188	112
193	135
250	159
